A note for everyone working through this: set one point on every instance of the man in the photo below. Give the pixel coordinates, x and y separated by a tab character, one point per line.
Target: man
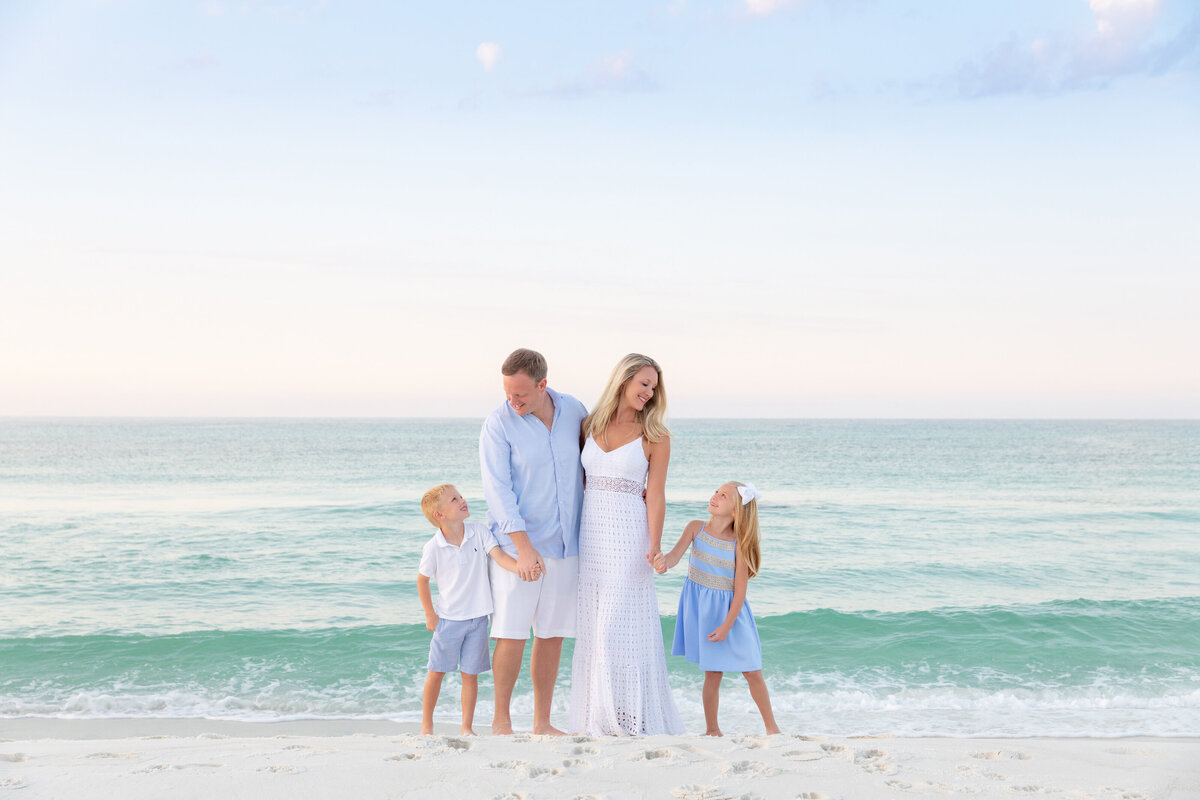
533	483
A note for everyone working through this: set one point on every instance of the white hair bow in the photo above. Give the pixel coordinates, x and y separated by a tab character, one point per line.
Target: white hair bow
749	492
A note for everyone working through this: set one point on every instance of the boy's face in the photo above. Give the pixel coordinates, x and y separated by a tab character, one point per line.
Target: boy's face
453	508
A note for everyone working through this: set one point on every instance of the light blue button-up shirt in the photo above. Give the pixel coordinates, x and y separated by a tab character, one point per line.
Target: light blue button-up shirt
532	478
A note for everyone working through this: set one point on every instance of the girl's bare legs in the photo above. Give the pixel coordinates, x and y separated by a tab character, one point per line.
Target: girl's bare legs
712	695
433	687
470	691
758	691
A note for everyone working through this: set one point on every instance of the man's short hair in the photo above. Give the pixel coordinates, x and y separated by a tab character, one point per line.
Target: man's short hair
531	362
432	499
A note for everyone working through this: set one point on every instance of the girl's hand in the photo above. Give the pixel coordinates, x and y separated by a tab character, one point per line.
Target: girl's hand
431	622
653	557
660	563
719	634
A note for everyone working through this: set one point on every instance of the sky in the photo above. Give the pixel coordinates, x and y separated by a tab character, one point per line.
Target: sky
831	208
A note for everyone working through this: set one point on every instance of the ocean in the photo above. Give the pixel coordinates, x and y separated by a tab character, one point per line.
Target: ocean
919	578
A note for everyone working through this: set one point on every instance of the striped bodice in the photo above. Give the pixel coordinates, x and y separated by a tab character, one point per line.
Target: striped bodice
711	562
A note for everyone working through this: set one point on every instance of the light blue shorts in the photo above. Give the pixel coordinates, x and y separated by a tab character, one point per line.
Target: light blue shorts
460	642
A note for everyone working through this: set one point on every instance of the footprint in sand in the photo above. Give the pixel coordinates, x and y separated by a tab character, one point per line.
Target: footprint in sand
403	757
926	788
153	768
12	783
511	796
836	750
281	768
804	755
749	742
972	772
812	796
457	744
651	755
111	755
584	751
749	769
582	739
694	791
576	763
1000	755
874	761
14	757
525	768
1123	794
1031	789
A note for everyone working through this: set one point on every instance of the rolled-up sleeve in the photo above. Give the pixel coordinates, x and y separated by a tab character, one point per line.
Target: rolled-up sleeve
495	462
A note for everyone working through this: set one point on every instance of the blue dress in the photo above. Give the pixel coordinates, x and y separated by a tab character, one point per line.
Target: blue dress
703	606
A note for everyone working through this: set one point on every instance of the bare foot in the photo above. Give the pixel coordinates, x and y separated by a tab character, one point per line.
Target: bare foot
467	732
502	728
548	730
426	731
713	732
771	731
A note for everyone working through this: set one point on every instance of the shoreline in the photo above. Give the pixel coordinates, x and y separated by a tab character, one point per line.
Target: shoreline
149	758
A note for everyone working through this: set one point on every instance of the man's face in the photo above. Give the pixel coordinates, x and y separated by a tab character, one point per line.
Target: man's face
523	394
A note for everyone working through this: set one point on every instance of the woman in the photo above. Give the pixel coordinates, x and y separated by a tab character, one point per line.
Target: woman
619	673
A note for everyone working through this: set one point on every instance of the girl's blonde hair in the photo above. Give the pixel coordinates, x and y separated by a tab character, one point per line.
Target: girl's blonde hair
652	416
745	531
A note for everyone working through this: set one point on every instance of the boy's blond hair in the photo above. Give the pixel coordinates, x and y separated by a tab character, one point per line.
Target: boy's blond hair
431	500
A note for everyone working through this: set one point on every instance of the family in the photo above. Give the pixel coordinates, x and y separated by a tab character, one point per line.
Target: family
576	503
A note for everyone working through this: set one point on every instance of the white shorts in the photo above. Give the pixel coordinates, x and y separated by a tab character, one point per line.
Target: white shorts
547	604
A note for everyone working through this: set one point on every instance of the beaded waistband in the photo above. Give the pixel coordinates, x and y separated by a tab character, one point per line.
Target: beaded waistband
607	484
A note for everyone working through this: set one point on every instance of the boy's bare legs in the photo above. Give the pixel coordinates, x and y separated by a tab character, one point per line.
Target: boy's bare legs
758	690
506	665
543	668
433	687
712	696
470	691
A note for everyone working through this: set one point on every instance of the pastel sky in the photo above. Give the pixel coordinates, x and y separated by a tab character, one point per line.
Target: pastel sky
831	208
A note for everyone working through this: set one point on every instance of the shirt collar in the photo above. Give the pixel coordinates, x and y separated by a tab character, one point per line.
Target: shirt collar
441	539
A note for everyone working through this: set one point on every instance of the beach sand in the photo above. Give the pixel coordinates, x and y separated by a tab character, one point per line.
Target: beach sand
148	758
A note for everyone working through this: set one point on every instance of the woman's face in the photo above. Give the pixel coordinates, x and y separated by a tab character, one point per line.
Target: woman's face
640	388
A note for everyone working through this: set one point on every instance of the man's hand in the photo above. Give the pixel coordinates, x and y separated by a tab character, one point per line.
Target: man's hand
530	566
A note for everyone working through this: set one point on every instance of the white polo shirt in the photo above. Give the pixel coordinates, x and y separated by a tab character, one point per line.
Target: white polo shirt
461	573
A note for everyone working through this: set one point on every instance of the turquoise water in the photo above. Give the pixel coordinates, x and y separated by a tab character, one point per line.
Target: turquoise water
919	578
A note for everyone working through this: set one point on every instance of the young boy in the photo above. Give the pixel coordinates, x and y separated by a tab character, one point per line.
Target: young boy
456	557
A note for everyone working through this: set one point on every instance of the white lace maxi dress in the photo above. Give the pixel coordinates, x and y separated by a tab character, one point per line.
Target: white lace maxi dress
619	672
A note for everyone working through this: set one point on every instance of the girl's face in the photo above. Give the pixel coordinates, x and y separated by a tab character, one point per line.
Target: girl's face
640	388
724	501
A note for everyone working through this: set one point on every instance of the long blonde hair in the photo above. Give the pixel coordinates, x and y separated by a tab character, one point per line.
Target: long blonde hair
653	415
745	531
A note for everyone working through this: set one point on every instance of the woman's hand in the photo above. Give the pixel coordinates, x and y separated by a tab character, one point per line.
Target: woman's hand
719	634
659	563
653	557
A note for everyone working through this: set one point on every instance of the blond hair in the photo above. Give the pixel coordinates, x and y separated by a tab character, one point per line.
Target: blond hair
745	531
432	499
531	362
653	415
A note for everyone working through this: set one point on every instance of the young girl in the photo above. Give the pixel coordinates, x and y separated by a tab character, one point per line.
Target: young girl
714	627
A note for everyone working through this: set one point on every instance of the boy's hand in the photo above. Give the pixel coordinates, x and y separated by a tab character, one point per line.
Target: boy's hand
719	634
431	622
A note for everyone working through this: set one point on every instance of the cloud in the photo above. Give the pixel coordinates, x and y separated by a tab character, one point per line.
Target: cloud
613	73
488	54
1124	40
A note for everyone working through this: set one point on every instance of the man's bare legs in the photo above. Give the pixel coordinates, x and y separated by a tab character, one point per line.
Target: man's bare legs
506	666
543	668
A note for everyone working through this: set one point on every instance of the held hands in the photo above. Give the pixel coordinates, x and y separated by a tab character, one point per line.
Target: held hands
659	562
530	566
